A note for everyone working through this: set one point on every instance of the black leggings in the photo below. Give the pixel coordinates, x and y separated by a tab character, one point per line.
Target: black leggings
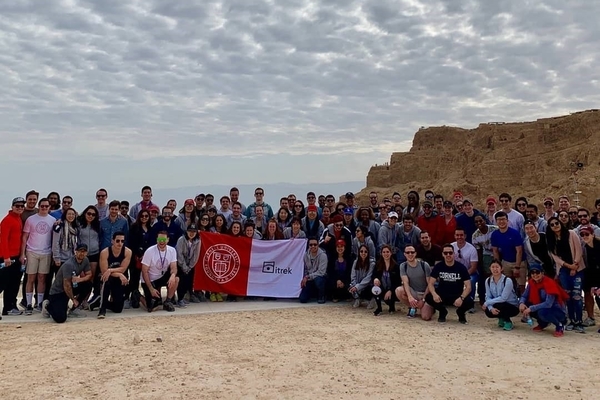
391	302
114	289
186	283
507	311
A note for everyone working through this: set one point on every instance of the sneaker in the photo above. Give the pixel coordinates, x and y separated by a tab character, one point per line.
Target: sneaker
377	312
538	328
462	319
76	313
372	304
570	326
45	312
23	304
579	328
94	302
321	300
589	322
126	305
219	297
524	320
85	305
187	303
29	309
196	299
501	322
442	317
38	308
181	304
135	299
409	314
168	306
356	303
472	311
508	326
213	297
101	314
559	331
15	311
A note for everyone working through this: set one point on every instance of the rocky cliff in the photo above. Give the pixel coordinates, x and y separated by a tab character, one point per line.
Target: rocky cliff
532	159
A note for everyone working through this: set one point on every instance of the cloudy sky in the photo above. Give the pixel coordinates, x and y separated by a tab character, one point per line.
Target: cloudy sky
120	93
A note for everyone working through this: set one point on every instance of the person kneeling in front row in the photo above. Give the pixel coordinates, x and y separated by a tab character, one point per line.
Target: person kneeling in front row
159	268
69	285
315	273
414	274
454	286
500	297
544	300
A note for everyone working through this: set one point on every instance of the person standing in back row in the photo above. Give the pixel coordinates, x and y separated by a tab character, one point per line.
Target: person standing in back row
10	249
36	248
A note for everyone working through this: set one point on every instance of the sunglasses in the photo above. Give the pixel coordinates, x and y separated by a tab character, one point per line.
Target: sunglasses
143	216
313	245
258	193
521	204
119	240
555	224
204	219
585	234
582	216
448	253
409	252
67	202
298	206
338	225
90	214
100	195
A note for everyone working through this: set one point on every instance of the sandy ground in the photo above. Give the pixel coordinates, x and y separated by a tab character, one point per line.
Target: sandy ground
324	352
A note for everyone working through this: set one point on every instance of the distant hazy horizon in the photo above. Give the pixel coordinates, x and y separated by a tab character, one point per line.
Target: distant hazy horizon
273	192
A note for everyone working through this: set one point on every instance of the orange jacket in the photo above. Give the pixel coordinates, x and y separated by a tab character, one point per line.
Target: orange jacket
10	235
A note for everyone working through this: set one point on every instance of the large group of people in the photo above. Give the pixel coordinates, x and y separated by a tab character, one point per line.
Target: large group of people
429	254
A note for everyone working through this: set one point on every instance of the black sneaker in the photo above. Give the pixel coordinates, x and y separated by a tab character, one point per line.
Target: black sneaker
377	312
442	316
462	319
94	302
135	299
29	310
102	314
168	306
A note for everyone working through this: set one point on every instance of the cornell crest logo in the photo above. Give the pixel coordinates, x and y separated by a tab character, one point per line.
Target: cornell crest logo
221	263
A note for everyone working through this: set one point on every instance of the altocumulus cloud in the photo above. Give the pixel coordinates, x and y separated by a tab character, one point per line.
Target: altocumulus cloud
251	77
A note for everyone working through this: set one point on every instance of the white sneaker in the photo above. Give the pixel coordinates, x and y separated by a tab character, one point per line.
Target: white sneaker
45	312
356	303
76	313
371	304
126	305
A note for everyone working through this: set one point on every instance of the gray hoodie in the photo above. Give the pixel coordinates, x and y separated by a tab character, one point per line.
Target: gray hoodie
187	255
90	237
389	235
361	278
315	266
287	233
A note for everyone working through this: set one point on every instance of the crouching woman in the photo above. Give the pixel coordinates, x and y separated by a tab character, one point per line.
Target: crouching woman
501	300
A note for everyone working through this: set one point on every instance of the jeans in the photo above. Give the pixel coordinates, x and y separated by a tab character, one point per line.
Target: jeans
474	280
507	311
59	303
573	286
314	285
481	286
546	316
441	307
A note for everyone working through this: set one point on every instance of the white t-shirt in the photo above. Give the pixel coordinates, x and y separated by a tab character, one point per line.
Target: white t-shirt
468	254
40	234
158	261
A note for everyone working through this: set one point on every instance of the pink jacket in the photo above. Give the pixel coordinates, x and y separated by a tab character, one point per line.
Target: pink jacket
576	251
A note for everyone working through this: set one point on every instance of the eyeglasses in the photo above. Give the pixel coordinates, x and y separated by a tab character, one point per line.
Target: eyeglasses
448	253
572	212
313	245
409	252
19	206
338	225
584	234
521	204
90	214
582	215
119	240
555	224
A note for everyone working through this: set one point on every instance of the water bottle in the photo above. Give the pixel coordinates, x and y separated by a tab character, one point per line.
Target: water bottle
73	282
529	321
24	266
412	311
3	265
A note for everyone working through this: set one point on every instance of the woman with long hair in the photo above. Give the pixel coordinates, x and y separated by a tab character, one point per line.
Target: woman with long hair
564	219
591	274
387	278
521	205
566	250
326	216
284	218
298	210
140	239
220	225
338	272
362	238
89	234
361	277
235	229
187	215
272	232
65	234
295	230
204	223
188	251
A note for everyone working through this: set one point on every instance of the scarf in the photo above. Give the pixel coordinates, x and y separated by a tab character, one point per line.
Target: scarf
69	237
550	287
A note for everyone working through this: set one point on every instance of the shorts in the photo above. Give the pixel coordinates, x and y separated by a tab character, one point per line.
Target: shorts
415	294
37	263
508	267
94	258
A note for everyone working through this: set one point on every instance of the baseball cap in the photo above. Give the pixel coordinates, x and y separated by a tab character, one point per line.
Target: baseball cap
427	203
340	242
393	214
457	193
312	207
491	199
548	200
18	200
348	211
81	246
153	207
466	200
349	195
192	227
189	202
535	267
587	229
448	203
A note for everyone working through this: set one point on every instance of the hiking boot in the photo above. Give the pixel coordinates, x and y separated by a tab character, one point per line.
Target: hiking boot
168	306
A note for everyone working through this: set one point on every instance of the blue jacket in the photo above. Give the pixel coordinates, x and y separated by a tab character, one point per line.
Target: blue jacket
108	228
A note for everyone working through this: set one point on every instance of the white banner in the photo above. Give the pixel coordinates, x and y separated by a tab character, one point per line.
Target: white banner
276	268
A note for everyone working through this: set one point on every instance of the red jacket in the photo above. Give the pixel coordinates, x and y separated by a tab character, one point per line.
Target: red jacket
10	235
433	226
447	230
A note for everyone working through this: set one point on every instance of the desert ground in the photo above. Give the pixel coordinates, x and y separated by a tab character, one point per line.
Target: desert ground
316	352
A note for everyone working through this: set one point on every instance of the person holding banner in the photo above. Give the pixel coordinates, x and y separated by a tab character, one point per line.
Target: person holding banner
315	273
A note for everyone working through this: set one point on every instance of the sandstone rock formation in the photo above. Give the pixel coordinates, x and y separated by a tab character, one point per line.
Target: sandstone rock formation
532	159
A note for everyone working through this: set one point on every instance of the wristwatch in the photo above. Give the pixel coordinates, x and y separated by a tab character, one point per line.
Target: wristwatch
462	298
